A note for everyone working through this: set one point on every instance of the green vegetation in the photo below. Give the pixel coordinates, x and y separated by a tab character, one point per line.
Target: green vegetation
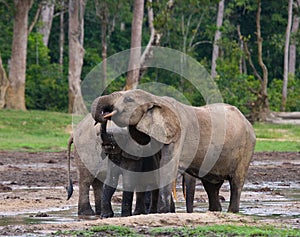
34	130
275	137
215	230
49	131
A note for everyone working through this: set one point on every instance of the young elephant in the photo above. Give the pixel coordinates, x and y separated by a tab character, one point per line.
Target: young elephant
90	166
122	163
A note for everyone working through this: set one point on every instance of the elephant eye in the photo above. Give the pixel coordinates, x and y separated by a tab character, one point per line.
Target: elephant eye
128	99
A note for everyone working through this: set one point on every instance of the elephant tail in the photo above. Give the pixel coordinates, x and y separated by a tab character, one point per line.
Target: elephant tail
69	188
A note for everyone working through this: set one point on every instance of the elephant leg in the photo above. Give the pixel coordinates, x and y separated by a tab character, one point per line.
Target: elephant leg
109	188
190	183
106	208
212	190
127	203
165	200
140	205
84	206
236	186
97	187
154	201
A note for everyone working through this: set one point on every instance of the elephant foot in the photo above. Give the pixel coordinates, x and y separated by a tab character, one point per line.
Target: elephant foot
107	215
139	212
86	212
216	207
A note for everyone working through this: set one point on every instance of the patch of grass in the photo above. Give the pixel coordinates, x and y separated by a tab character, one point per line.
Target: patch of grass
225	230
210	231
105	230
277	137
277	131
268	145
34	130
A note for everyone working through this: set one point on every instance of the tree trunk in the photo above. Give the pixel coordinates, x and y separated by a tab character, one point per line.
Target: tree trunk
46	21
135	47
215	53
61	36
293	47
76	53
3	84
286	56
262	101
242	61
15	96
153	41
260	107
103	13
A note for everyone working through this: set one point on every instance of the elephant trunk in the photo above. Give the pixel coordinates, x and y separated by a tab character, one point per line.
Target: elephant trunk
104	105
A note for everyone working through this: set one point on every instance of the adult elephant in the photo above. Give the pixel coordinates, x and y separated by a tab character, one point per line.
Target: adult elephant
213	142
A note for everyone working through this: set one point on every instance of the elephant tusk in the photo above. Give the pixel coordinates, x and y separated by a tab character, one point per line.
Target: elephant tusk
110	114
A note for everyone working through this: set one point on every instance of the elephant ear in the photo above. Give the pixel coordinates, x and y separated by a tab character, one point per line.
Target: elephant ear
161	123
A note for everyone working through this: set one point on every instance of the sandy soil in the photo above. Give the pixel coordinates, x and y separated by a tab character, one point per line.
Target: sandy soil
32	184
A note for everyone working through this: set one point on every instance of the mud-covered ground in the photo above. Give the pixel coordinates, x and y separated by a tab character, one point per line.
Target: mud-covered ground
33	197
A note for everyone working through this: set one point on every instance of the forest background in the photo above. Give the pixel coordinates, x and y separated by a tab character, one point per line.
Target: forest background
248	46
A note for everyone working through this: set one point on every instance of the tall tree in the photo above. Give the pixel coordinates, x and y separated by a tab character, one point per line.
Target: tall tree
15	95
154	39
260	107
293	47
3	84
286	56
135	46
215	53
102	12
61	34
76	53
46	18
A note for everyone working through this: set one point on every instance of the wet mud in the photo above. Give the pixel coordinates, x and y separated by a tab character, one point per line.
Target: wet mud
33	196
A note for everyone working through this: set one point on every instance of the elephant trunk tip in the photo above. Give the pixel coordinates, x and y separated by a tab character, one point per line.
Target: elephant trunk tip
110	114
70	189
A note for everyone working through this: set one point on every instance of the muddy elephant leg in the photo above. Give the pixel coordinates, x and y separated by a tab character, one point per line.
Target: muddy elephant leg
127	203
236	185
190	183
165	200
97	187
212	191
109	188
106	208
154	201
85	181
140	205
84	206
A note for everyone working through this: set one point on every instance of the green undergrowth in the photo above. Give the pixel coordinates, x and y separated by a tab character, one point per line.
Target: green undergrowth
208	231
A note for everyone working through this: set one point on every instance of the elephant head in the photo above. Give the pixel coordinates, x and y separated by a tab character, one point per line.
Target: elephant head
145	114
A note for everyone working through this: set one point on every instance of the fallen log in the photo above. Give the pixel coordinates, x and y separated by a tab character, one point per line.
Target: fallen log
284	118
